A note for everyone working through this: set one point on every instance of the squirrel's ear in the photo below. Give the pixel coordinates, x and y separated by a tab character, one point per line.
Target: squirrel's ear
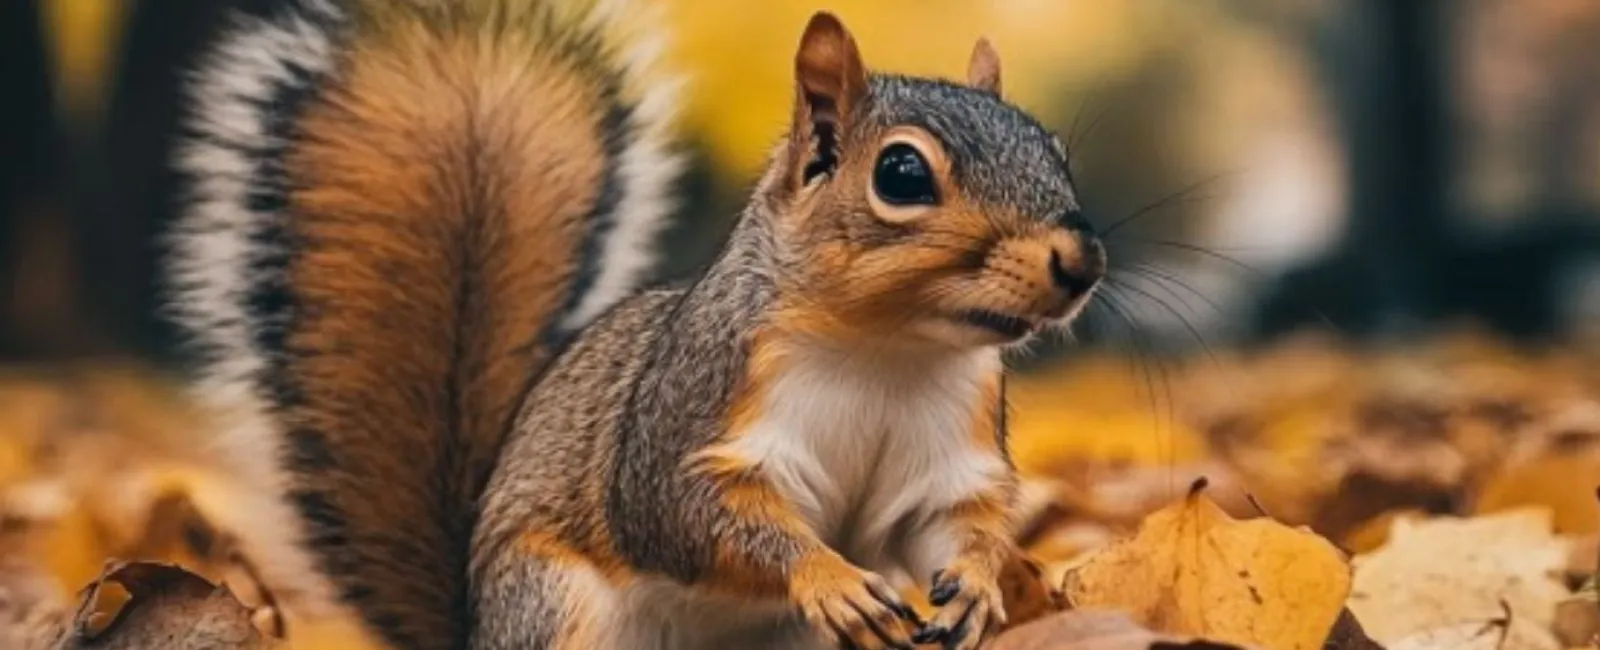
983	71
830	80
828	67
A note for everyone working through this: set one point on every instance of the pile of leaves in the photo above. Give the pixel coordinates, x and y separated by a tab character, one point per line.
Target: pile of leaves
1312	495
1308	495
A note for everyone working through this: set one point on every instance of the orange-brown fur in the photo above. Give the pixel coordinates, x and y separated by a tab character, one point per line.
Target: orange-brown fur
450	218
743	491
850	290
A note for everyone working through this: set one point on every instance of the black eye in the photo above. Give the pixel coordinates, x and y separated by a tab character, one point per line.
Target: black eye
902	177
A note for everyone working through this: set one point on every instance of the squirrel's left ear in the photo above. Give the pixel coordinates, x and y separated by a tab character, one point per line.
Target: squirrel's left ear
828	68
831	80
983	71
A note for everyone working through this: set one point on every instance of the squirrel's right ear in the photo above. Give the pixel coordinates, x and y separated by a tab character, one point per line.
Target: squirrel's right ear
983	69
831	80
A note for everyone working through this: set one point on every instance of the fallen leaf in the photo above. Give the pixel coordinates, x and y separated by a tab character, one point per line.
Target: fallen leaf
1089	629
1488	635
167	608
1027	595
1444	579
1577	623
1193	570
1562	482
1348	634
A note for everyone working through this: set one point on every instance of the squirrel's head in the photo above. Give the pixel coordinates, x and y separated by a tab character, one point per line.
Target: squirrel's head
924	208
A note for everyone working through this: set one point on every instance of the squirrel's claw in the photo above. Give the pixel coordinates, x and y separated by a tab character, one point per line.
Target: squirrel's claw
856	609
970	611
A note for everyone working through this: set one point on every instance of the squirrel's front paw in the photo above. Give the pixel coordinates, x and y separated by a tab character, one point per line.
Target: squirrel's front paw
850	607
971	607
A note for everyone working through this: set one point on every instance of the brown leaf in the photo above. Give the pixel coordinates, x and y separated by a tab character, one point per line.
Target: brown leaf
1193	570
1577	623
1348	634
168	608
1028	596
1088	629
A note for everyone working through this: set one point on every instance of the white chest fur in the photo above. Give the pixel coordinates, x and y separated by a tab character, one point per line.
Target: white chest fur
867	446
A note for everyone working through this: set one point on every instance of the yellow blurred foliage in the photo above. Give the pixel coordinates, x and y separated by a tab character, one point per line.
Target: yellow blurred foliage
740	63
84	37
1103	409
94	461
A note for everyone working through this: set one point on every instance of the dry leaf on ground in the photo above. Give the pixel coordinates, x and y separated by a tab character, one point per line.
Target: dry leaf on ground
1028	596
1191	569
1565	483
1578	623
167	608
1490	635
1088	629
1449	582
1347	634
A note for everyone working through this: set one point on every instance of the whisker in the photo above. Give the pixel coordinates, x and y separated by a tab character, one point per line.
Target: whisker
1141	350
1208	252
1255	273
1075	139
1193	331
1161	275
1166	451
1181	197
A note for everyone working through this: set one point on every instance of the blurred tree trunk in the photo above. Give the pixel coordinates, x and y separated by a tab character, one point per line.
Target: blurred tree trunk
1383	63
38	302
86	186
137	192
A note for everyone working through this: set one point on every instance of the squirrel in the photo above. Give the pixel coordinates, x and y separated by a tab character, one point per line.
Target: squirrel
414	271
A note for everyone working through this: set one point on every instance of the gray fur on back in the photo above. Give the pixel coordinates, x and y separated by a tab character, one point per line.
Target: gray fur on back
595	458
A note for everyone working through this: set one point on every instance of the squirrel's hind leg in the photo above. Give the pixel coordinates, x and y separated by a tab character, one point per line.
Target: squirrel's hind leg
544	597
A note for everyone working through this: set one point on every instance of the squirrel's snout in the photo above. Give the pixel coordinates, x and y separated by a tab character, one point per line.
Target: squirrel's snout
1073	281
1076	264
1044	276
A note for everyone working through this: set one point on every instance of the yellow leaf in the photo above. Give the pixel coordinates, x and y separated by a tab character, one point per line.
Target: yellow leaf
1193	570
1563	483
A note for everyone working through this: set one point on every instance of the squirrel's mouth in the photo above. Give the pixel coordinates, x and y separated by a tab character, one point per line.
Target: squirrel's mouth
1006	325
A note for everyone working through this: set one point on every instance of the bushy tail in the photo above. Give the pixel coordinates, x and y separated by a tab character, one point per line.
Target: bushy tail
400	209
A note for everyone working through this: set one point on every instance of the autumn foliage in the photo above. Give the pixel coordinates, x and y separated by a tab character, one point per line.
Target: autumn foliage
1439	496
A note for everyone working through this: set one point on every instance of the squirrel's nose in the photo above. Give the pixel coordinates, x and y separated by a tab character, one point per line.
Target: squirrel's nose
1074	282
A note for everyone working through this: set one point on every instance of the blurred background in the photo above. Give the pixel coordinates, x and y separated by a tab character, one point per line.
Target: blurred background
1308	203
1372	167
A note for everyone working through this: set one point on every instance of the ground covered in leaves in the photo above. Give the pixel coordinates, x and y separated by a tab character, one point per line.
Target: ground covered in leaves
1307	495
